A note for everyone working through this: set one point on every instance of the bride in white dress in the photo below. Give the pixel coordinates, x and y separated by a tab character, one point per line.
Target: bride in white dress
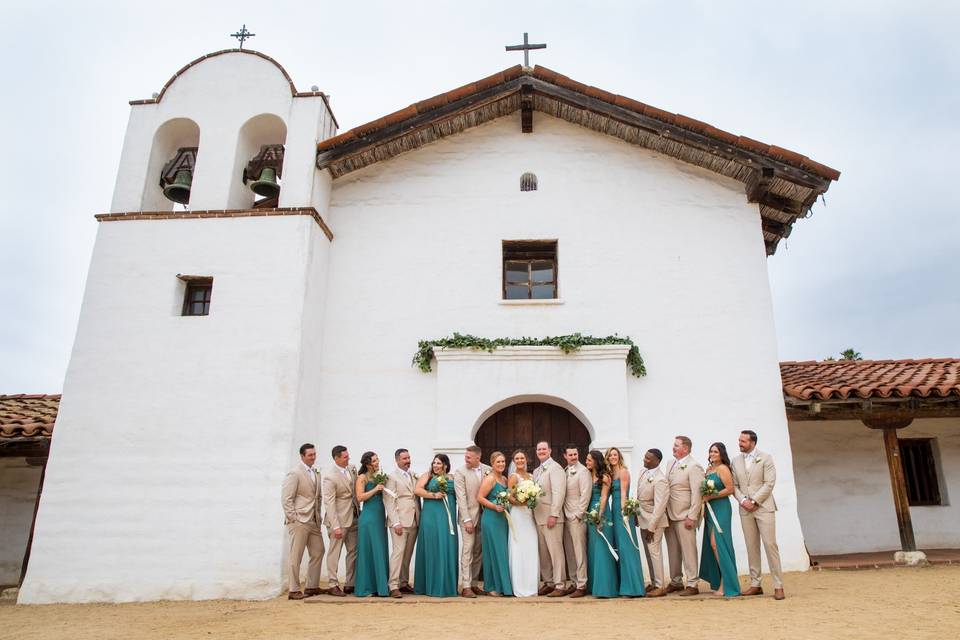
524	555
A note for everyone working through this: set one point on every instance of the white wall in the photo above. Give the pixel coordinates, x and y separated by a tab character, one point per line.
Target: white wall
648	247
846	503
18	495
174	432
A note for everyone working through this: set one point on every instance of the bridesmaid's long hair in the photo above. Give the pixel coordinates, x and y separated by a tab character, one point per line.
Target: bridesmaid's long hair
444	460
722	448
606	459
365	461
599	464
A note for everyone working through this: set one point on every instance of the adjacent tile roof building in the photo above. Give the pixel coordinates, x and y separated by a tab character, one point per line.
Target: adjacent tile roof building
27	416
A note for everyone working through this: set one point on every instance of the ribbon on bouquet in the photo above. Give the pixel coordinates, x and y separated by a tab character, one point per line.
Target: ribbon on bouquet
389	491
449	517
616	558
713	517
626	525
506	512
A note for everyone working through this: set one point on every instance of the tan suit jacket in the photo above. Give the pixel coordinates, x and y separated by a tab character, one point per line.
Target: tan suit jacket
300	497
405	508
653	492
553	481
757	484
684	480
340	498
579	488
466	485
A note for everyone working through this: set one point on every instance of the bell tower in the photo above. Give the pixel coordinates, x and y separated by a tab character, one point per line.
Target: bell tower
198	336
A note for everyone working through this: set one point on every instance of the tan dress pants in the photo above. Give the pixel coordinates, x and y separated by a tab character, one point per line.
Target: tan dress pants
400	555
682	554
305	537
349	540
655	557
550	545
471	558
575	549
762	526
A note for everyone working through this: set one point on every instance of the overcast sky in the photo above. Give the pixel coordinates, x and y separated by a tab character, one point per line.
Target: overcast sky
870	88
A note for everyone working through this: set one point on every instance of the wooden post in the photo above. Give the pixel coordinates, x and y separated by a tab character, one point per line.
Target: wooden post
33	525
899	485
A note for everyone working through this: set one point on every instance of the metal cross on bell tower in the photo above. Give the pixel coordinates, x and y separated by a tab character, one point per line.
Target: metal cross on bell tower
242	35
525	47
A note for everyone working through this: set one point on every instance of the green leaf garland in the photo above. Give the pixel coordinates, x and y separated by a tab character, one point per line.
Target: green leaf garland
568	344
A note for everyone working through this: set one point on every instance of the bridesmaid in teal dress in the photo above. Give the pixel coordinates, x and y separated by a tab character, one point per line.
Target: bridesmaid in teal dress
494	530
602	578
437	559
373	559
718	562
627	540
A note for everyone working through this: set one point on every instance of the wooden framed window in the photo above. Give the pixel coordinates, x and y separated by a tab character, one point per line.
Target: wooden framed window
196	297
529	269
920	471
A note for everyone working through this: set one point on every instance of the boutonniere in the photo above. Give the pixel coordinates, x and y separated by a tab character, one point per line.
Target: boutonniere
649	478
755	460
682	467
413	476
572	472
486	472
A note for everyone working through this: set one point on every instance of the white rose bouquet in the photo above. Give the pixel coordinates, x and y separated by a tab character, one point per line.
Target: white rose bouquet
527	493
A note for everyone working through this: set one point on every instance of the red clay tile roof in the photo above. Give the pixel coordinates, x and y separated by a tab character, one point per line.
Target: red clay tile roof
843	379
547	75
28	416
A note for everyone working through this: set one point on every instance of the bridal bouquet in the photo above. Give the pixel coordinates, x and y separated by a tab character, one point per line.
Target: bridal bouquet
708	487
527	493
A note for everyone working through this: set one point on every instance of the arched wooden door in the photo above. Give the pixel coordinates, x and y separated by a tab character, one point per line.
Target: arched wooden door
521	426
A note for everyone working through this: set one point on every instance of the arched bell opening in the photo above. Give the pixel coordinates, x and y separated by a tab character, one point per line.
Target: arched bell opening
258	164
170	173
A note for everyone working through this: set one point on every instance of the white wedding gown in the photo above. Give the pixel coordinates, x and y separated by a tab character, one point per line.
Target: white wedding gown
524	555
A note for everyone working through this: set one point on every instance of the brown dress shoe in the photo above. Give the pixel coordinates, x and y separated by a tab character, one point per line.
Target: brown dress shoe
395	593
479	591
559	592
690	591
778	594
545	589
671	588
648	587
570	589
348	590
753	591
656	592
295	595
336	591
316	591
578	593
467	593
406	588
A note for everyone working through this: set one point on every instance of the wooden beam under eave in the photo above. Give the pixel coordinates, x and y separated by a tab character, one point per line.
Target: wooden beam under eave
898	482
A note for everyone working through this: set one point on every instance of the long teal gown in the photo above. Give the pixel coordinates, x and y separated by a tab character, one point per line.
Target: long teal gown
631	568
727	570
494	532
602	578
437	559
373	558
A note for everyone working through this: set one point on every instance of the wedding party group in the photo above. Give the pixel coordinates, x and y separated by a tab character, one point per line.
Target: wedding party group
508	529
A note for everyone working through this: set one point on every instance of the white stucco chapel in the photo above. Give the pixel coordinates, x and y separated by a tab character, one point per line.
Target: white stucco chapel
262	280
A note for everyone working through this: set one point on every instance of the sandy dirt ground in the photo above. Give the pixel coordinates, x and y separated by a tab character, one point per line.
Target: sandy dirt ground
889	603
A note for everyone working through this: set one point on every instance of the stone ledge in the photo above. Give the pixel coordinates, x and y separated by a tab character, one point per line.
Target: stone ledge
217	213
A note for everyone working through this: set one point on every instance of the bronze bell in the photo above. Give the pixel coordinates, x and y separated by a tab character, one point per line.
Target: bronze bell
266	185
179	189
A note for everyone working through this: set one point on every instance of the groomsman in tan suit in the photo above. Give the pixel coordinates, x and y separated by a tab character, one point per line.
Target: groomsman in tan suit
300	498
466	484
403	519
754	476
340	516
653	492
683	513
579	487
549	518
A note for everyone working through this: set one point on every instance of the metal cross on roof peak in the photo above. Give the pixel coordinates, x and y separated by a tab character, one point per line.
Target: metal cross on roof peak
242	35
525	47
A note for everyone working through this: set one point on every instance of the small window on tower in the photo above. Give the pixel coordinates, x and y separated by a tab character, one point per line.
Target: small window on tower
529	269
196	297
